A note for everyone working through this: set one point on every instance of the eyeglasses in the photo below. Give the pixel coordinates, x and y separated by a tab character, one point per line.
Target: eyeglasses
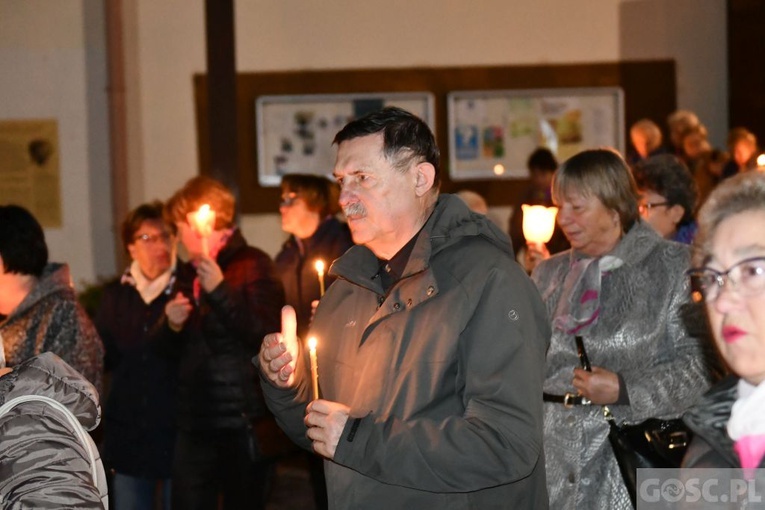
645	208
747	277
288	199
152	238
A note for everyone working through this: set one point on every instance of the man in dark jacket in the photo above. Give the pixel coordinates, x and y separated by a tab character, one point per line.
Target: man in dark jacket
235	300
431	343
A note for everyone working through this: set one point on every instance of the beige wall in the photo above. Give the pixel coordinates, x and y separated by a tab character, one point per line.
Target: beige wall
165	46
52	57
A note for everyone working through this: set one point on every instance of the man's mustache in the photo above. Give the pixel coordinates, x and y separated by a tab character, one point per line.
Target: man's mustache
355	209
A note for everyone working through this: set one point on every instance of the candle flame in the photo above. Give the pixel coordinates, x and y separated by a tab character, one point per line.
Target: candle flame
312	343
761	160
204	220
319	265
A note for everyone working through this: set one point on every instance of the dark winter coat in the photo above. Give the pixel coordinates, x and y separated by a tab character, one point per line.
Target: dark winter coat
298	273
443	374
218	386
139	417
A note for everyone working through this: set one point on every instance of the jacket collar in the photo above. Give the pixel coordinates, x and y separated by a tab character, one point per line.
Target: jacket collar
449	223
709	417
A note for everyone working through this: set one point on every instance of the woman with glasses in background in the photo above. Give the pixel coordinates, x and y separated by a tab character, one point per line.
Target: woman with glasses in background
667	197
139	423
729	421
308	208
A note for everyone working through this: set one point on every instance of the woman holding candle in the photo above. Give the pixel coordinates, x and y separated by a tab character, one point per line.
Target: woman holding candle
621	288
237	298
308	208
729	421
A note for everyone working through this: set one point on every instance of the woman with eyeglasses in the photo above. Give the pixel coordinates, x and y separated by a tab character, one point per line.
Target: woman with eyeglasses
308	208
667	196
622	289
729	421
139	421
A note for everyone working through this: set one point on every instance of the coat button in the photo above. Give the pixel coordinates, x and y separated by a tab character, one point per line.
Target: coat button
431	290
571	477
397	306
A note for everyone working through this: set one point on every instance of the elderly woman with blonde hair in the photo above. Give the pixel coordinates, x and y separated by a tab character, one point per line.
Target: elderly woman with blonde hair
621	292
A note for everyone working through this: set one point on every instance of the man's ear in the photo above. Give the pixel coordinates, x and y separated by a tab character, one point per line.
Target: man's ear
426	176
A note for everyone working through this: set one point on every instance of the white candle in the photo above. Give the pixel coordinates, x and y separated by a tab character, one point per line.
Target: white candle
319	265
314	367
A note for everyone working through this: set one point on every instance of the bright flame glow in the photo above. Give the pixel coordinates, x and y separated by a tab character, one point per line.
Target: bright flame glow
499	169
312	344
761	161
319	265
204	220
538	223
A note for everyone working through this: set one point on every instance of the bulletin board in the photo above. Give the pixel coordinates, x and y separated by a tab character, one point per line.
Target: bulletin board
648	92
492	132
295	133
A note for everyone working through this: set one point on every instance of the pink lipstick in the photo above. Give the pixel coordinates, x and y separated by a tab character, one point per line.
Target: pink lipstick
731	334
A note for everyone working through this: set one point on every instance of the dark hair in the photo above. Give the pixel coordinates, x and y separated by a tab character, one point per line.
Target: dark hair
406	137
319	193
542	159
667	176
604	174
152	211
202	190
22	241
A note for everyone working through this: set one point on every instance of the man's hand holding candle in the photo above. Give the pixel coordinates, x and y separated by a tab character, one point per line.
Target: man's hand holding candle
279	351
326	421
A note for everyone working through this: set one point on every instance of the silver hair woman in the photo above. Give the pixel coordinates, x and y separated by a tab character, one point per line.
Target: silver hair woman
622	289
729	422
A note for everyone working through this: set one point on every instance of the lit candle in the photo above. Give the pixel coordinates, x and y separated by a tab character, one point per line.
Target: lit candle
538	223
761	162
314	367
203	221
319	265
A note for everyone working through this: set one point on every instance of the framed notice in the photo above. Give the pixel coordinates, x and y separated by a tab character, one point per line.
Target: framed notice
492	132
295	132
29	168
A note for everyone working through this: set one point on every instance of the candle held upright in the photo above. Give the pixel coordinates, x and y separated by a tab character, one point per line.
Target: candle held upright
319	265
314	367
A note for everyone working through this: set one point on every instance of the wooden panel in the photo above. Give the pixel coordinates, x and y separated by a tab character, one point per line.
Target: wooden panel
746	66
649	91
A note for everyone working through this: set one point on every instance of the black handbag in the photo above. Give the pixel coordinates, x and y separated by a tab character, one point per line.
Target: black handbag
653	443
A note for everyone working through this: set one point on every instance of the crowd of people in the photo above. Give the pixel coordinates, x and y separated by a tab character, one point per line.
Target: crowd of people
450	367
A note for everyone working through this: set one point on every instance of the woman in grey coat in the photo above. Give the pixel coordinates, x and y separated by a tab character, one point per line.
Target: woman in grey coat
621	288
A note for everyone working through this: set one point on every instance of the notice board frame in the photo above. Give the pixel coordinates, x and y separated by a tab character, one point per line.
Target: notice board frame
649	92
